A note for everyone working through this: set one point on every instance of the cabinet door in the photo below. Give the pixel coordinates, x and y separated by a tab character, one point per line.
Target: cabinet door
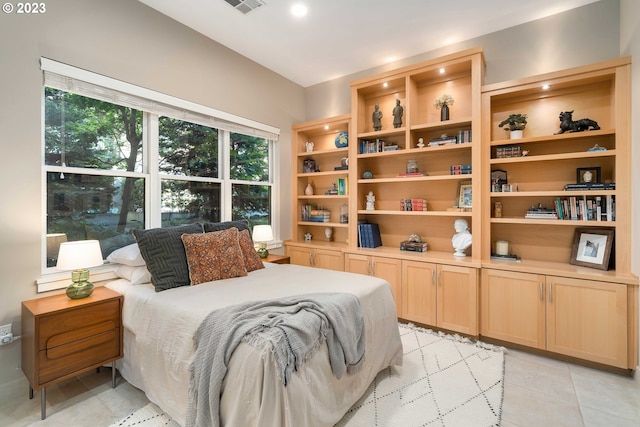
457	308
299	255
390	269
355	263
587	319
419	292
331	260
513	307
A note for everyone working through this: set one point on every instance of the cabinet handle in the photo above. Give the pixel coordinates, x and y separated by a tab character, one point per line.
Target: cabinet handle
541	292
433	277
369	268
551	292
312	259
373	267
439	282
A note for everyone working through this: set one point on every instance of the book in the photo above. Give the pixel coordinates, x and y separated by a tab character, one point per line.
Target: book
370	235
590	186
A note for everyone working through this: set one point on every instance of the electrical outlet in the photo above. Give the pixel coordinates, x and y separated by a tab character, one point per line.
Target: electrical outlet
5	330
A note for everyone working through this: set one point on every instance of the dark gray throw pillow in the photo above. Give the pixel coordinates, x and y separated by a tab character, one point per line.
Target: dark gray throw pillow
241	224
164	254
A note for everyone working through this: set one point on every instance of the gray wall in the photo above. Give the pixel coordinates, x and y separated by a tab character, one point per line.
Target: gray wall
126	40
570	39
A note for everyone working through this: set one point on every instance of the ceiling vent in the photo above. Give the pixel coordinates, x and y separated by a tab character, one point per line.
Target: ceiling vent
246	6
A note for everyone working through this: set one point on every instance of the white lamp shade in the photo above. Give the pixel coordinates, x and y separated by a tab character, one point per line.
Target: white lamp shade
79	254
262	233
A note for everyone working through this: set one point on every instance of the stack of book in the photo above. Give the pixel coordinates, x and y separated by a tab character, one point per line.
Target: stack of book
313	214
369	235
463	169
413	246
443	140
541	213
413	205
591	186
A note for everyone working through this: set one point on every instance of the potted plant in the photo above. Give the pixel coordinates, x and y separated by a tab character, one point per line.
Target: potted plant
442	103
515	124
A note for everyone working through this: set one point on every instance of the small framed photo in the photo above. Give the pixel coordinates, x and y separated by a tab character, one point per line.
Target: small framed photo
592	247
498	179
588	175
464	194
309	166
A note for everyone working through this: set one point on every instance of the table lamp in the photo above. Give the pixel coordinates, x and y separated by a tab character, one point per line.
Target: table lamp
262	234
79	256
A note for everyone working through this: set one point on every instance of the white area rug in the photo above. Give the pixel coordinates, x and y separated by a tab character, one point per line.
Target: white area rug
445	381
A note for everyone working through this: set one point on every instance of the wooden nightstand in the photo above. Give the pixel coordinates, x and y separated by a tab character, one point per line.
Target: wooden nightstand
277	259
62	338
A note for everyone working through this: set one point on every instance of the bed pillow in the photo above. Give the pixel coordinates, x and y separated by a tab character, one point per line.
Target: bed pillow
241	224
127	255
136	275
214	256
252	260
164	254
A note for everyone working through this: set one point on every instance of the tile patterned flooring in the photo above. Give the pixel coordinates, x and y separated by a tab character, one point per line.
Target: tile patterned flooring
538	392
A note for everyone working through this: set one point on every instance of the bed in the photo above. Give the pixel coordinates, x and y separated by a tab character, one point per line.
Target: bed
159	346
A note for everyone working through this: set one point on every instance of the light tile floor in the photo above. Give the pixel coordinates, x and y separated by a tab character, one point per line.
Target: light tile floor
538	392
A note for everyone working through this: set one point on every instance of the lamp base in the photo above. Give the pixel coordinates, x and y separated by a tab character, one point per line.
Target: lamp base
262	252
81	287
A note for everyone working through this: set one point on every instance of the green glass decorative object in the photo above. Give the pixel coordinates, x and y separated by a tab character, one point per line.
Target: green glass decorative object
81	287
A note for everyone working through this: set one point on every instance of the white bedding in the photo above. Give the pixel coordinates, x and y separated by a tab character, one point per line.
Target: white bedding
159	329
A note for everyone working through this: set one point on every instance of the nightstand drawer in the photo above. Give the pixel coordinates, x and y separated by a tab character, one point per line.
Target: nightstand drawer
56	362
66	327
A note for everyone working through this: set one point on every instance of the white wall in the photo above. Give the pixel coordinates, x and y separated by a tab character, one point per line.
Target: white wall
126	40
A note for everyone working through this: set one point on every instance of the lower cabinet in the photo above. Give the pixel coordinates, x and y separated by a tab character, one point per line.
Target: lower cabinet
440	295
580	318
316	257
388	269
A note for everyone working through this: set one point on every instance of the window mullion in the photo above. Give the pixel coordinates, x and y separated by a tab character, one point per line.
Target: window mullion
224	155
153	215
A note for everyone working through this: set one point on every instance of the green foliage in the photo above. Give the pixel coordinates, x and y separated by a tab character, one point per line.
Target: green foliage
514	122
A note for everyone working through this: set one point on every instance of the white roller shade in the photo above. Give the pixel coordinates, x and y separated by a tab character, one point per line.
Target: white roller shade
75	80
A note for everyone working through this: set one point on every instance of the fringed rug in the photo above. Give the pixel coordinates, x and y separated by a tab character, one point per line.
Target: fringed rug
445	380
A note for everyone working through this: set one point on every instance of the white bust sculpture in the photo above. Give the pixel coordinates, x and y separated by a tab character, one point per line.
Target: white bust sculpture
370	201
462	239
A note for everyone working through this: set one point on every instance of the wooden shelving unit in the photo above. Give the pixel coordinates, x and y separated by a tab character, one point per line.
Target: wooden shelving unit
563	308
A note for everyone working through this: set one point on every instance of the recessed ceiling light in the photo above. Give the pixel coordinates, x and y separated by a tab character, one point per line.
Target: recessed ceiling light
298	10
442	70
326	127
545	86
385	84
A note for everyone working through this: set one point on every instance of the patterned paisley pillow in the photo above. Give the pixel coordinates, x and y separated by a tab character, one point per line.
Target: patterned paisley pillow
214	256
252	260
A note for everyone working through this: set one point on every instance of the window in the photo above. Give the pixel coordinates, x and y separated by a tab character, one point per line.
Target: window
117	158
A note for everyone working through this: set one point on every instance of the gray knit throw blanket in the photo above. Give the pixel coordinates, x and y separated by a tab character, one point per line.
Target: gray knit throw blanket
292	328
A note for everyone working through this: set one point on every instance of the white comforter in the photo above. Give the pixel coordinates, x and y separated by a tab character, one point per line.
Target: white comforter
159	330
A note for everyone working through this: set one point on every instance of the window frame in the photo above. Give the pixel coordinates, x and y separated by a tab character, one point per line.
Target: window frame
160	105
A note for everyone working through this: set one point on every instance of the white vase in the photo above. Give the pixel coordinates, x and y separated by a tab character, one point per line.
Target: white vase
309	190
515	134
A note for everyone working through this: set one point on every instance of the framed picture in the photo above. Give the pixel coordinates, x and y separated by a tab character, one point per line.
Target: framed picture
592	247
586	175
464	194
498	179
309	166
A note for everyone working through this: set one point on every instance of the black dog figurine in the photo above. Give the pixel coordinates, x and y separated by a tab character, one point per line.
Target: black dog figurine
568	125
